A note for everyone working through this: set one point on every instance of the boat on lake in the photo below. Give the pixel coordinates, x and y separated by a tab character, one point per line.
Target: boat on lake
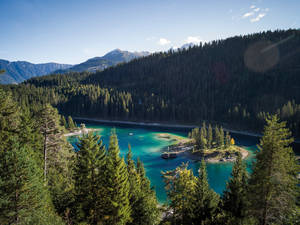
169	155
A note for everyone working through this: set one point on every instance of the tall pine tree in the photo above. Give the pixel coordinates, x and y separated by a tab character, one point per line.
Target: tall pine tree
23	197
234	197
143	200
117	185
209	137
273	183
205	199
89	179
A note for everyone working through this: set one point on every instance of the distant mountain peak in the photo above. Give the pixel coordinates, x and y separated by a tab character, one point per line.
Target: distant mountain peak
18	71
111	58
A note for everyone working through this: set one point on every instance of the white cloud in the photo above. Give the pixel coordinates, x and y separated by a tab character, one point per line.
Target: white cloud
258	18
248	14
267	9
256	10
252	6
163	41
193	39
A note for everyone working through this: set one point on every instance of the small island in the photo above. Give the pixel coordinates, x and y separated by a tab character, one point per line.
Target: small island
212	144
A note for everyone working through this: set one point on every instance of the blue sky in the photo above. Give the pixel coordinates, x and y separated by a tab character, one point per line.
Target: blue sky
66	31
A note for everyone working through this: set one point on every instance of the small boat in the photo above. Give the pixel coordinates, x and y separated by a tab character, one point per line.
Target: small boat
130	134
167	155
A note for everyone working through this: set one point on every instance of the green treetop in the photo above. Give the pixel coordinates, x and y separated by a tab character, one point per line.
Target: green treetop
71	124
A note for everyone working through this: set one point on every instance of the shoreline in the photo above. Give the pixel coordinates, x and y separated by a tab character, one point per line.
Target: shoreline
79	132
181	147
165	125
215	159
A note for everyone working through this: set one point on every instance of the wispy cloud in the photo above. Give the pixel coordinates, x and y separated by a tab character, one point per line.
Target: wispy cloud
164	41
248	14
255	14
258	17
193	39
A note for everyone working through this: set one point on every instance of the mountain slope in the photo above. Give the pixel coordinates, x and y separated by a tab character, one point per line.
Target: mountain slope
100	63
235	81
16	72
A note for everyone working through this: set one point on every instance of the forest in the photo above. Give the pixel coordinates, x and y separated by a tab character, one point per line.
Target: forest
233	82
44	181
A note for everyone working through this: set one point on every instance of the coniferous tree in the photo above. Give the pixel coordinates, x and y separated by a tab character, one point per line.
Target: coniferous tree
58	158
273	183
135	186
234	198
227	140
117	185
51	131
143	198
221	138
23	197
204	129
181	197
205	199
89	179
217	136
209	136
9	117
64	122
178	183
203	140
71	124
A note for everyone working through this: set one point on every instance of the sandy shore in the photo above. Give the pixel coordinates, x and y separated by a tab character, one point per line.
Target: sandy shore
79	132
178	139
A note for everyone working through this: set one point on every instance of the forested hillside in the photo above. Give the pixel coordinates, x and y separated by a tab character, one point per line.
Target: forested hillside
235	81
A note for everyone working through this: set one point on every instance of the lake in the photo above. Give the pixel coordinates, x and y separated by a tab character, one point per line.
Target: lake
146	145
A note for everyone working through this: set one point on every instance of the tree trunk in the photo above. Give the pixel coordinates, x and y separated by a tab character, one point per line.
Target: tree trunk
45	157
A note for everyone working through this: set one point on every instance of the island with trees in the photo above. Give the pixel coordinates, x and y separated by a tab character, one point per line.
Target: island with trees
208	143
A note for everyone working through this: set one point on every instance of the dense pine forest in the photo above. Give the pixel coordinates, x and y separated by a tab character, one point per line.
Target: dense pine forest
235	82
44	181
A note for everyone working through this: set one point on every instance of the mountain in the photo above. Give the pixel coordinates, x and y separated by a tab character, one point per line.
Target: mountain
188	45
16	72
100	63
235	82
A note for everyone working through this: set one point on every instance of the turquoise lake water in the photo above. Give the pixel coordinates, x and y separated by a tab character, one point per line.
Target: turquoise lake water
148	147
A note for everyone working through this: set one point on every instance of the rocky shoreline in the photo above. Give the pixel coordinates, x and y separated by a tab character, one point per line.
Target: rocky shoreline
182	147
